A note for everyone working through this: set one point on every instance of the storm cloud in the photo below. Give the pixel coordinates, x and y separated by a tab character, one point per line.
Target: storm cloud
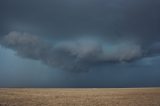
119	37
74	55
78	54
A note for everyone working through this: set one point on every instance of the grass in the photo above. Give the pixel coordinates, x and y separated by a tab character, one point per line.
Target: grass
80	97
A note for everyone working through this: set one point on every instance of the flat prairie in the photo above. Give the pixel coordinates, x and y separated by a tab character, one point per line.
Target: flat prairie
80	97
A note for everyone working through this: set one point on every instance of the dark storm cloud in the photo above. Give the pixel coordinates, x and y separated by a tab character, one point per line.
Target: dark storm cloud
118	30
116	41
78	55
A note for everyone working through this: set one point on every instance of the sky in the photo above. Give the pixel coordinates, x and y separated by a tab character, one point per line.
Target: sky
79	43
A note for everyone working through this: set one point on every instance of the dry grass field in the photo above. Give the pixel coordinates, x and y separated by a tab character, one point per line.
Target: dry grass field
80	97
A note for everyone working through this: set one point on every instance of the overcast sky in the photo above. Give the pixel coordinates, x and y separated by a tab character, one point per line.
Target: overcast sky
79	43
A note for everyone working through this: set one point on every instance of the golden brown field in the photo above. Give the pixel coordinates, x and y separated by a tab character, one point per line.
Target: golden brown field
80	97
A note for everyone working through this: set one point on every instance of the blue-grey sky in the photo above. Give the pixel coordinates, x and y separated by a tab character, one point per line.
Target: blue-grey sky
79	43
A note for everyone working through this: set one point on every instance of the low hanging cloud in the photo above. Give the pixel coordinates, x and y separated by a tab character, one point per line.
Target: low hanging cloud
77	55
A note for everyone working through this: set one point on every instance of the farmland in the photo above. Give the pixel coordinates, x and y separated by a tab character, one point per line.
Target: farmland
80	97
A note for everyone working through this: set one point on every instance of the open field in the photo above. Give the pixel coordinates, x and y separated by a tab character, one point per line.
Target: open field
80	97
